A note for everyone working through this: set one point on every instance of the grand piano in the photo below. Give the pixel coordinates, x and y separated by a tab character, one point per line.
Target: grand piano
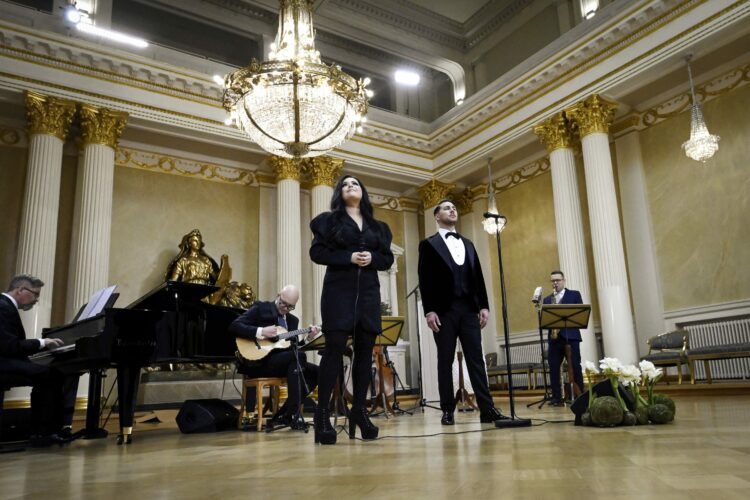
170	324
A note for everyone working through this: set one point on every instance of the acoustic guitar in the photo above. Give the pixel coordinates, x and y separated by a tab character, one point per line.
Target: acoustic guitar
257	349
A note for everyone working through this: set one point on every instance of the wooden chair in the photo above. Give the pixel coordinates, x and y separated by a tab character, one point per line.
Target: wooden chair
274	391
670	349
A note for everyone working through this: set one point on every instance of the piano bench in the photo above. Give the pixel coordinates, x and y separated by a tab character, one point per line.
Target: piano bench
274	392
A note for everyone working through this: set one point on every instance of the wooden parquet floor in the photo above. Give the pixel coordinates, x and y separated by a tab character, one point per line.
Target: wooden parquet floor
705	453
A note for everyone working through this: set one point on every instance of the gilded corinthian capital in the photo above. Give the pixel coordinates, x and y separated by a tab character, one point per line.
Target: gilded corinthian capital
324	170
434	191
49	115
101	125
285	168
594	114
555	133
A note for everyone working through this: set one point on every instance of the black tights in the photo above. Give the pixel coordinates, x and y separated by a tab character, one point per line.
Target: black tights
331	363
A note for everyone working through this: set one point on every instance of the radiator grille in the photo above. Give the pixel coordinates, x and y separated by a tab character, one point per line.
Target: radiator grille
716	332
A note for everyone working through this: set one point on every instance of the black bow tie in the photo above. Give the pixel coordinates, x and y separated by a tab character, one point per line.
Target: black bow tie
451	233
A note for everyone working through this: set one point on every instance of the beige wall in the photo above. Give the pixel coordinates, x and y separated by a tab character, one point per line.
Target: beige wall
152	211
12	180
529	248
701	213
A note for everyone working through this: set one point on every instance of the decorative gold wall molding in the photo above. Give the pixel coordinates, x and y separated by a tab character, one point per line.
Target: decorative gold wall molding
323	170
555	132
522	174
49	115
9	136
144	160
102	125
734	79
432	192
465	201
593	114
286	168
386	202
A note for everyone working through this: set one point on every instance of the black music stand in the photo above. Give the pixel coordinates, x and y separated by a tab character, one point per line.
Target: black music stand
559	316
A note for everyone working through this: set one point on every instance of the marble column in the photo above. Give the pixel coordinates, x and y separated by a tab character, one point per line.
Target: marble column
92	217
49	120
593	117
324	172
288	234
648	303
555	134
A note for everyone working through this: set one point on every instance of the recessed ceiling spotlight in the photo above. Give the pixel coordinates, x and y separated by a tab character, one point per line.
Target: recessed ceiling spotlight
406	78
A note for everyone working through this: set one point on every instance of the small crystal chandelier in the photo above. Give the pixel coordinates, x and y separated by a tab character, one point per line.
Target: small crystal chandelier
293	105
496	224
702	145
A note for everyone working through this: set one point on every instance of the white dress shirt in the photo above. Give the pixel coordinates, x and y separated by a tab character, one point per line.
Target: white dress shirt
455	246
559	296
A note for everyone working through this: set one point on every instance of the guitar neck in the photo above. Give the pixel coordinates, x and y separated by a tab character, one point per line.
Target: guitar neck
293	333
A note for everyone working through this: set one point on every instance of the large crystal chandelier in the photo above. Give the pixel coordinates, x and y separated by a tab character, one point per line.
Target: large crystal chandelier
493	222
702	145
293	105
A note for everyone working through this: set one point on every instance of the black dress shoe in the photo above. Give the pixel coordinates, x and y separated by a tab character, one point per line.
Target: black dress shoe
557	402
45	441
492	415
447	418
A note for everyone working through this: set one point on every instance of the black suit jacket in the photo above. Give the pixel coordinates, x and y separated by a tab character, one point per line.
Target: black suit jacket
13	341
351	294
260	315
570	297
436	275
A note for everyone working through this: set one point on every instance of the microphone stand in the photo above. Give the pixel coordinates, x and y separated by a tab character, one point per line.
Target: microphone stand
514	420
547	394
304	389
422	401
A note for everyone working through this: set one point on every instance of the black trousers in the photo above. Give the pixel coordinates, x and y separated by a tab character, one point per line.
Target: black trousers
331	362
556	353
46	392
282	364
461	321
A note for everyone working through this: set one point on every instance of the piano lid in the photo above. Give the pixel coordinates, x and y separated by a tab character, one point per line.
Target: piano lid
162	298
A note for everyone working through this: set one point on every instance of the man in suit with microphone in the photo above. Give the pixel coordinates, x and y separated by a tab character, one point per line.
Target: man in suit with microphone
558	339
455	300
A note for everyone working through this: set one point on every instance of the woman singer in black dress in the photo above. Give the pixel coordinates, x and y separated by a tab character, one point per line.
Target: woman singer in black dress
354	247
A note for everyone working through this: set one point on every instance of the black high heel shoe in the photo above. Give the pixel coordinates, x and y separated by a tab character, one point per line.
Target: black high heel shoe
324	433
361	419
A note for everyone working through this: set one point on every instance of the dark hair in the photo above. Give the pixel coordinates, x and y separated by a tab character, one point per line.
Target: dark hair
338	207
557	272
437	207
18	281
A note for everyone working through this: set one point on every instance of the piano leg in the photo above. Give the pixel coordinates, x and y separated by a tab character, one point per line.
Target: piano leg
127	391
93	410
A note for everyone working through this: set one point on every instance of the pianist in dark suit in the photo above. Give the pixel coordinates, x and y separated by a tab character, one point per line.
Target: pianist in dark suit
16	369
261	321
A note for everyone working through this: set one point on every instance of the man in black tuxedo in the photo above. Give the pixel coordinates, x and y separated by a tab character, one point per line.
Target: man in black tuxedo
455	300
15	367
260	321
558	338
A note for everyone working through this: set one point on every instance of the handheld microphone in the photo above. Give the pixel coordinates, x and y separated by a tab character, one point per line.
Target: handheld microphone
537	295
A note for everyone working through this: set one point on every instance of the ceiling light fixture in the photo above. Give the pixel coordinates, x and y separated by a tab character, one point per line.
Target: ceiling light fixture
702	145
293	105
408	78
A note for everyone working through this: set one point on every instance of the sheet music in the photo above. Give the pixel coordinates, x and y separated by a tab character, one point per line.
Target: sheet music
97	302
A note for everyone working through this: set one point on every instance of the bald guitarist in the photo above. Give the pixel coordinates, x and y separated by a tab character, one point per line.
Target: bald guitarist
261	324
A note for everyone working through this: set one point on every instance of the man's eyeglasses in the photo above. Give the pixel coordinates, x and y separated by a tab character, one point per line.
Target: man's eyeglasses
282	303
32	292
557	281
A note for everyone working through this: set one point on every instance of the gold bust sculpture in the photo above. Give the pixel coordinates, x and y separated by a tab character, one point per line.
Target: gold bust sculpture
193	264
